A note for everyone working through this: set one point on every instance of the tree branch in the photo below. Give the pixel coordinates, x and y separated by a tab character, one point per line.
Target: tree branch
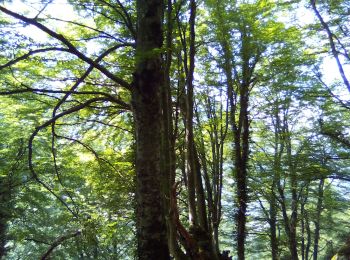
33	90
70	46
30	53
36	131
331	42
57	242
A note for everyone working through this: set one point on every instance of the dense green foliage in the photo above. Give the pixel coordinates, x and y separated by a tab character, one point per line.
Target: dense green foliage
254	121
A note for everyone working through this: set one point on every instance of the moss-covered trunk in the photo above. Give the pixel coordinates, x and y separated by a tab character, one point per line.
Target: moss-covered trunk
148	78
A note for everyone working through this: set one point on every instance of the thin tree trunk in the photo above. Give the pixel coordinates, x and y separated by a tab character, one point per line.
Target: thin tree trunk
227	67
168	141
3	230
273	225
241	141
279	147
191	165
308	232
148	79
5	207
318	217
241	149
294	204
304	224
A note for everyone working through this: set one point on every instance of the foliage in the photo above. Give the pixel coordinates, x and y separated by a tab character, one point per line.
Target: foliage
67	127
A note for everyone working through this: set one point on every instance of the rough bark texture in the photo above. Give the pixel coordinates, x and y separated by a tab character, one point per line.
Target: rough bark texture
148	78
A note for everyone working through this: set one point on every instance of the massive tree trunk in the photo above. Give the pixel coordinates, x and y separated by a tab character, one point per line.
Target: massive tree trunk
148	79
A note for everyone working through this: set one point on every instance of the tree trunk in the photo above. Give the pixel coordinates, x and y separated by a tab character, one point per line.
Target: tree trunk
5	207
241	142
168	140
273	226
3	229
318	217
294	205
308	232
148	79
278	151
304	224
241	150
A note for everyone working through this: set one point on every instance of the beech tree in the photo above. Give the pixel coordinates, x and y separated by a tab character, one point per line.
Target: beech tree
171	129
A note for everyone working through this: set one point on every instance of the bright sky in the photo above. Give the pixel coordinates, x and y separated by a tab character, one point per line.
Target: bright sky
57	8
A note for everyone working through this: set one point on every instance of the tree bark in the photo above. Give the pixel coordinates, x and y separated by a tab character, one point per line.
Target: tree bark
3	230
191	163
241	141
318	218
148	80
294	204
5	207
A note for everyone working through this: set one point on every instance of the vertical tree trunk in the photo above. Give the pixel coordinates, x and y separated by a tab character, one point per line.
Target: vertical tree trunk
3	229
5	207
308	235
241	141
279	147
241	150
192	171
213	181
148	79
294	204
273	225
302	216
305	227
318	217
168	140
